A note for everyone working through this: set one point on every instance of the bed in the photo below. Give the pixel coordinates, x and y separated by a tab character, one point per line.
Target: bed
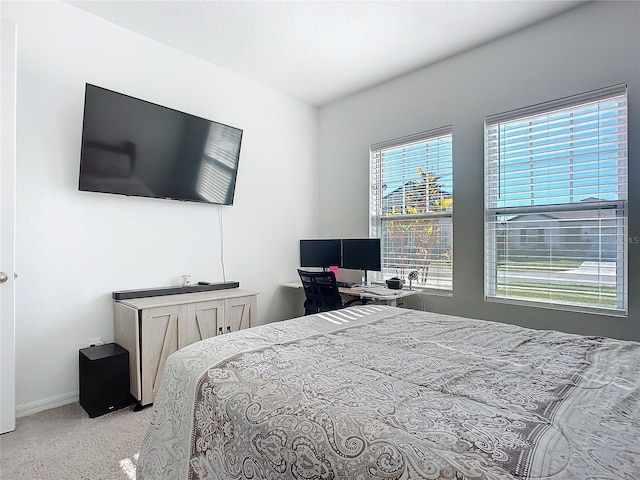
378	392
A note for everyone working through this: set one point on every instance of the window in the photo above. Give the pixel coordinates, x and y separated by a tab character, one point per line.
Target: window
532	236
556	204
412	205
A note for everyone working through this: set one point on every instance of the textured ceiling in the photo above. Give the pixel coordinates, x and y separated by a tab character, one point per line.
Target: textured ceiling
320	51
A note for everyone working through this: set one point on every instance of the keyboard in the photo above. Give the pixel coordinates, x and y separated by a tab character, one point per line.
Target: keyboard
346	284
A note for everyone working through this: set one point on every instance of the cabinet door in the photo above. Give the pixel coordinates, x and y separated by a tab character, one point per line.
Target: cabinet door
159	339
203	320
239	313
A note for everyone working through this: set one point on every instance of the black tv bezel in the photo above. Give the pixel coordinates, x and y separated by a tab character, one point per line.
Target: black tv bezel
161	197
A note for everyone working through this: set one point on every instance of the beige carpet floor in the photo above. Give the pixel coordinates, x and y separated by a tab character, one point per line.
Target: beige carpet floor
65	444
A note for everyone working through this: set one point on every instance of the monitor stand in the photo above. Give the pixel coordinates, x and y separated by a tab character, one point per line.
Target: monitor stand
365	280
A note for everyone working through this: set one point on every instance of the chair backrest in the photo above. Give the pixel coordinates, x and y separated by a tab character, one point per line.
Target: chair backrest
321	291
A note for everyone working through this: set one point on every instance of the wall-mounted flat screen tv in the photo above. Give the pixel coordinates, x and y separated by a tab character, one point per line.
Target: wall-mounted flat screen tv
138	148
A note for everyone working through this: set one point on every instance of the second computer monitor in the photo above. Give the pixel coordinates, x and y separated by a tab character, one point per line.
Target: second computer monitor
361	254
323	253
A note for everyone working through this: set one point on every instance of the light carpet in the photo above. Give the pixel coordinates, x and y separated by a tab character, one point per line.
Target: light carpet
65	444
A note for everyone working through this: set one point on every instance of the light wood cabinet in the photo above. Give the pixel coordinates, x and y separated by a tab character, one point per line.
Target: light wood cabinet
153	328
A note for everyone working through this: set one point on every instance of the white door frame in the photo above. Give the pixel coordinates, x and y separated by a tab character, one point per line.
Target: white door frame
7	229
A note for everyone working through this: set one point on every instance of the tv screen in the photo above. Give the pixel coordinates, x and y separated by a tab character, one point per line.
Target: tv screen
323	253
134	147
361	254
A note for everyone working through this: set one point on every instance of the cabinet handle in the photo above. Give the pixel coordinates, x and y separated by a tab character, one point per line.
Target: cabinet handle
220	331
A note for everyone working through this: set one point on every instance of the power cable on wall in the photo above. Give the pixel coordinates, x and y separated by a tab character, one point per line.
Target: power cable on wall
421	300
221	229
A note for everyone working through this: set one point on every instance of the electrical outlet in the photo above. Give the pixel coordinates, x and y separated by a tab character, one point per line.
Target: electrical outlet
95	341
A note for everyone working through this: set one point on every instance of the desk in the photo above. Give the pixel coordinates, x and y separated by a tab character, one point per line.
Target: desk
384	294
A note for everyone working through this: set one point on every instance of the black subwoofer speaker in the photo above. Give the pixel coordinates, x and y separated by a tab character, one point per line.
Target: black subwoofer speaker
104	379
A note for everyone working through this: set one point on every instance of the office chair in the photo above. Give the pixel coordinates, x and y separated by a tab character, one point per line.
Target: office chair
321	291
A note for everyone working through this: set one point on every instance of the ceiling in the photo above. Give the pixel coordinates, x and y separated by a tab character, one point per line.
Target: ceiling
320	51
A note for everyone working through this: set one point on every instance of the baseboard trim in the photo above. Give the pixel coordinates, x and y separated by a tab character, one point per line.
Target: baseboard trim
46	403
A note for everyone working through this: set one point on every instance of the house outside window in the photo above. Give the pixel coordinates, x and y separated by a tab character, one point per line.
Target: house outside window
411	205
556	204
532	236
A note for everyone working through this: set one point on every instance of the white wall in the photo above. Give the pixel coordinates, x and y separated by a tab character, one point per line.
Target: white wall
74	248
593	46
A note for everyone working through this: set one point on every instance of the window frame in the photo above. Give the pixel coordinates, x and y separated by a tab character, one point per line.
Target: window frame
377	216
492	247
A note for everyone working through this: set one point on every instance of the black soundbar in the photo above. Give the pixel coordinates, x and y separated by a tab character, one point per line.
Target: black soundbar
155	292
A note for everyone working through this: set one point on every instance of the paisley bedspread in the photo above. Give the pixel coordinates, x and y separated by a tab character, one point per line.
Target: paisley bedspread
377	392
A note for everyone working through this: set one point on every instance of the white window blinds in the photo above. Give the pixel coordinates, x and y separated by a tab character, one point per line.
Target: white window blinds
411	207
556	203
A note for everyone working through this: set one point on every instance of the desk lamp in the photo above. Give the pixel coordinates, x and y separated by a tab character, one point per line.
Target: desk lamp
413	275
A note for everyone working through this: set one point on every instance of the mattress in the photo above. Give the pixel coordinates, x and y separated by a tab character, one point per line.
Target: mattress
378	392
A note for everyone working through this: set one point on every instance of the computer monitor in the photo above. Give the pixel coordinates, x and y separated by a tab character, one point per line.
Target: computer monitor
323	253
361	254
